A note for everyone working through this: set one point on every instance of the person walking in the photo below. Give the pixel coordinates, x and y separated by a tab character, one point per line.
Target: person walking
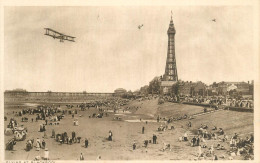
43	128
45	135
154	139
86	143
110	135
146	143
38	144
211	151
40	127
53	133
193	141
46	154
73	135
134	145
199	155
43	144
81	157
198	141
143	130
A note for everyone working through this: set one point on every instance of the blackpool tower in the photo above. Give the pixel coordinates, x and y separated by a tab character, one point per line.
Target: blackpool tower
171	68
170	76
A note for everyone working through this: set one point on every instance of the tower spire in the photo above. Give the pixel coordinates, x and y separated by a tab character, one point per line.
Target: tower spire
171	22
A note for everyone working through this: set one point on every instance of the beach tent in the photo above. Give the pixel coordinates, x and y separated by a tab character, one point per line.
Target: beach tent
8	132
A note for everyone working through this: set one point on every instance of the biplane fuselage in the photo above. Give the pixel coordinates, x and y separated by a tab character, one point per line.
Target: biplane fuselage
57	35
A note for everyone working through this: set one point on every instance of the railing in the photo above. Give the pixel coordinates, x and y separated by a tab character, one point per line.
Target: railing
232	108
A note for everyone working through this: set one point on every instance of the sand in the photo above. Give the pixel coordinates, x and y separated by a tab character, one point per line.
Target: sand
126	132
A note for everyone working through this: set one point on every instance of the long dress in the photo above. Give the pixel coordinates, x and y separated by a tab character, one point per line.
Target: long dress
185	137
211	149
98	157
46	154
81	157
110	136
53	133
38	144
40	127
200	151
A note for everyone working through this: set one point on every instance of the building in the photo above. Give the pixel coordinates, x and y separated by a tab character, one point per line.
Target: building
120	92
24	96
211	90
170	76
243	88
230	88
16	90
225	88
251	88
222	88
185	88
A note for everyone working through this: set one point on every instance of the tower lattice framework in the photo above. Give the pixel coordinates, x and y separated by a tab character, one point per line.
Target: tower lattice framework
171	67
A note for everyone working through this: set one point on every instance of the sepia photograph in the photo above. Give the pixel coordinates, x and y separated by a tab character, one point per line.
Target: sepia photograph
129	82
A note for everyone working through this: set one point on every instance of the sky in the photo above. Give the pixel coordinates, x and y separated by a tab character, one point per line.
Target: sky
111	52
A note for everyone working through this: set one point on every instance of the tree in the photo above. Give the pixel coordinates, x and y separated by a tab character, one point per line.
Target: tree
144	90
176	88
154	86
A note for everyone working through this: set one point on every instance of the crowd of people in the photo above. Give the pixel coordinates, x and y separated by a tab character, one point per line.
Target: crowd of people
64	138
243	103
53	114
41	112
240	103
216	101
235	146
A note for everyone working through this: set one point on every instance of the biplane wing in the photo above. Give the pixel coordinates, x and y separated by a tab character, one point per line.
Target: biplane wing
57	35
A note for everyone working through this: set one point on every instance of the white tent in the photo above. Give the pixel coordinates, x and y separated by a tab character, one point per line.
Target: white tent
8	132
231	87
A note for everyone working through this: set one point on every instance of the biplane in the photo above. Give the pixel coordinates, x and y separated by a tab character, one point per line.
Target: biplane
58	35
140	26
